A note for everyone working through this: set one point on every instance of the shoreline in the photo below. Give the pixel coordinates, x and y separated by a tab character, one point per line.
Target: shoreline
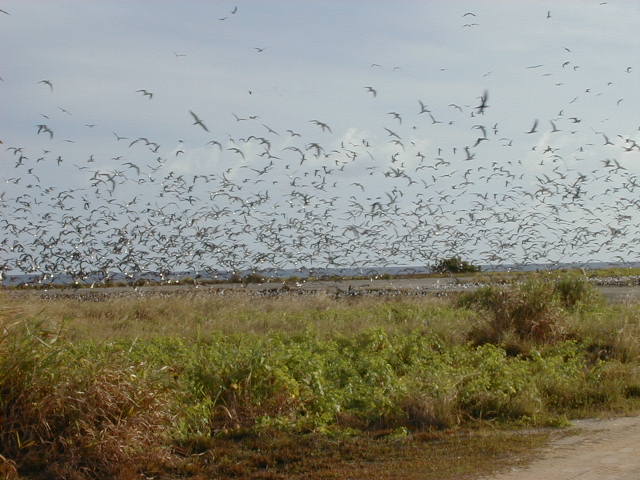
616	289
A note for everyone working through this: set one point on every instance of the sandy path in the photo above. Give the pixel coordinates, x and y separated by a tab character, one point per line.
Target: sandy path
599	450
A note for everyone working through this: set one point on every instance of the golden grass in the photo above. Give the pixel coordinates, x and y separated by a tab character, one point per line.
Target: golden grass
197	314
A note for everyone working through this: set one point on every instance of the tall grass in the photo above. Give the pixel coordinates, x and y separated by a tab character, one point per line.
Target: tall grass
67	415
125	387
533	311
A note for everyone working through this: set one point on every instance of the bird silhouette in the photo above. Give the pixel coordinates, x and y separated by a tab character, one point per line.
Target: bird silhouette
197	121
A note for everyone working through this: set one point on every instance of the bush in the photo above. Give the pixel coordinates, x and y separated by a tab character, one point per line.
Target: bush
534	310
454	265
574	291
254	277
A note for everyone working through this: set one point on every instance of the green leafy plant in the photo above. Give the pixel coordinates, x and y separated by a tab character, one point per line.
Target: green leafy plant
454	265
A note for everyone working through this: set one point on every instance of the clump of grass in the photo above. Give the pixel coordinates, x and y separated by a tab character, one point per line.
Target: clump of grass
530	312
575	292
65	418
609	334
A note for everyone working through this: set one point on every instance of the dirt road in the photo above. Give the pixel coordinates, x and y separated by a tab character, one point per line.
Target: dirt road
597	450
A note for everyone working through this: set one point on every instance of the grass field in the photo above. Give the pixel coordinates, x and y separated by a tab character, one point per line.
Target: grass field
195	386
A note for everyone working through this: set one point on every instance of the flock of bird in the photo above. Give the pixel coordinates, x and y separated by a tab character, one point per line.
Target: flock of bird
302	196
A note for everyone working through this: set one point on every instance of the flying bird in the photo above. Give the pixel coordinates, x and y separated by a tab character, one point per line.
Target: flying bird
322	125
483	103
535	126
145	93
392	133
47	82
46	129
215	142
270	130
197	121
238	151
372	90
395	115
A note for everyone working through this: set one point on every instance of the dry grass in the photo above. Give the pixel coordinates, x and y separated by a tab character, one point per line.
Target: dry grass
61	419
197	314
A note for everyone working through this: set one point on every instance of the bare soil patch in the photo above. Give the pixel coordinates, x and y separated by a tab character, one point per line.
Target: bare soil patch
592	450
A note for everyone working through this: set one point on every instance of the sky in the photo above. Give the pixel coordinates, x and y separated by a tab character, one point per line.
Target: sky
257	69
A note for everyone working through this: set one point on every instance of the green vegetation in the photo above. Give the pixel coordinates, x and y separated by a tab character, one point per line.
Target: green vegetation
237	387
454	265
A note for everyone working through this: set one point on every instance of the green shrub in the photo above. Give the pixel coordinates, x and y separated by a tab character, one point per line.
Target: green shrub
574	291
454	265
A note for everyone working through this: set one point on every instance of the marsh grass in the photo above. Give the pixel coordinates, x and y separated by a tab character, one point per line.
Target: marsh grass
195	385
